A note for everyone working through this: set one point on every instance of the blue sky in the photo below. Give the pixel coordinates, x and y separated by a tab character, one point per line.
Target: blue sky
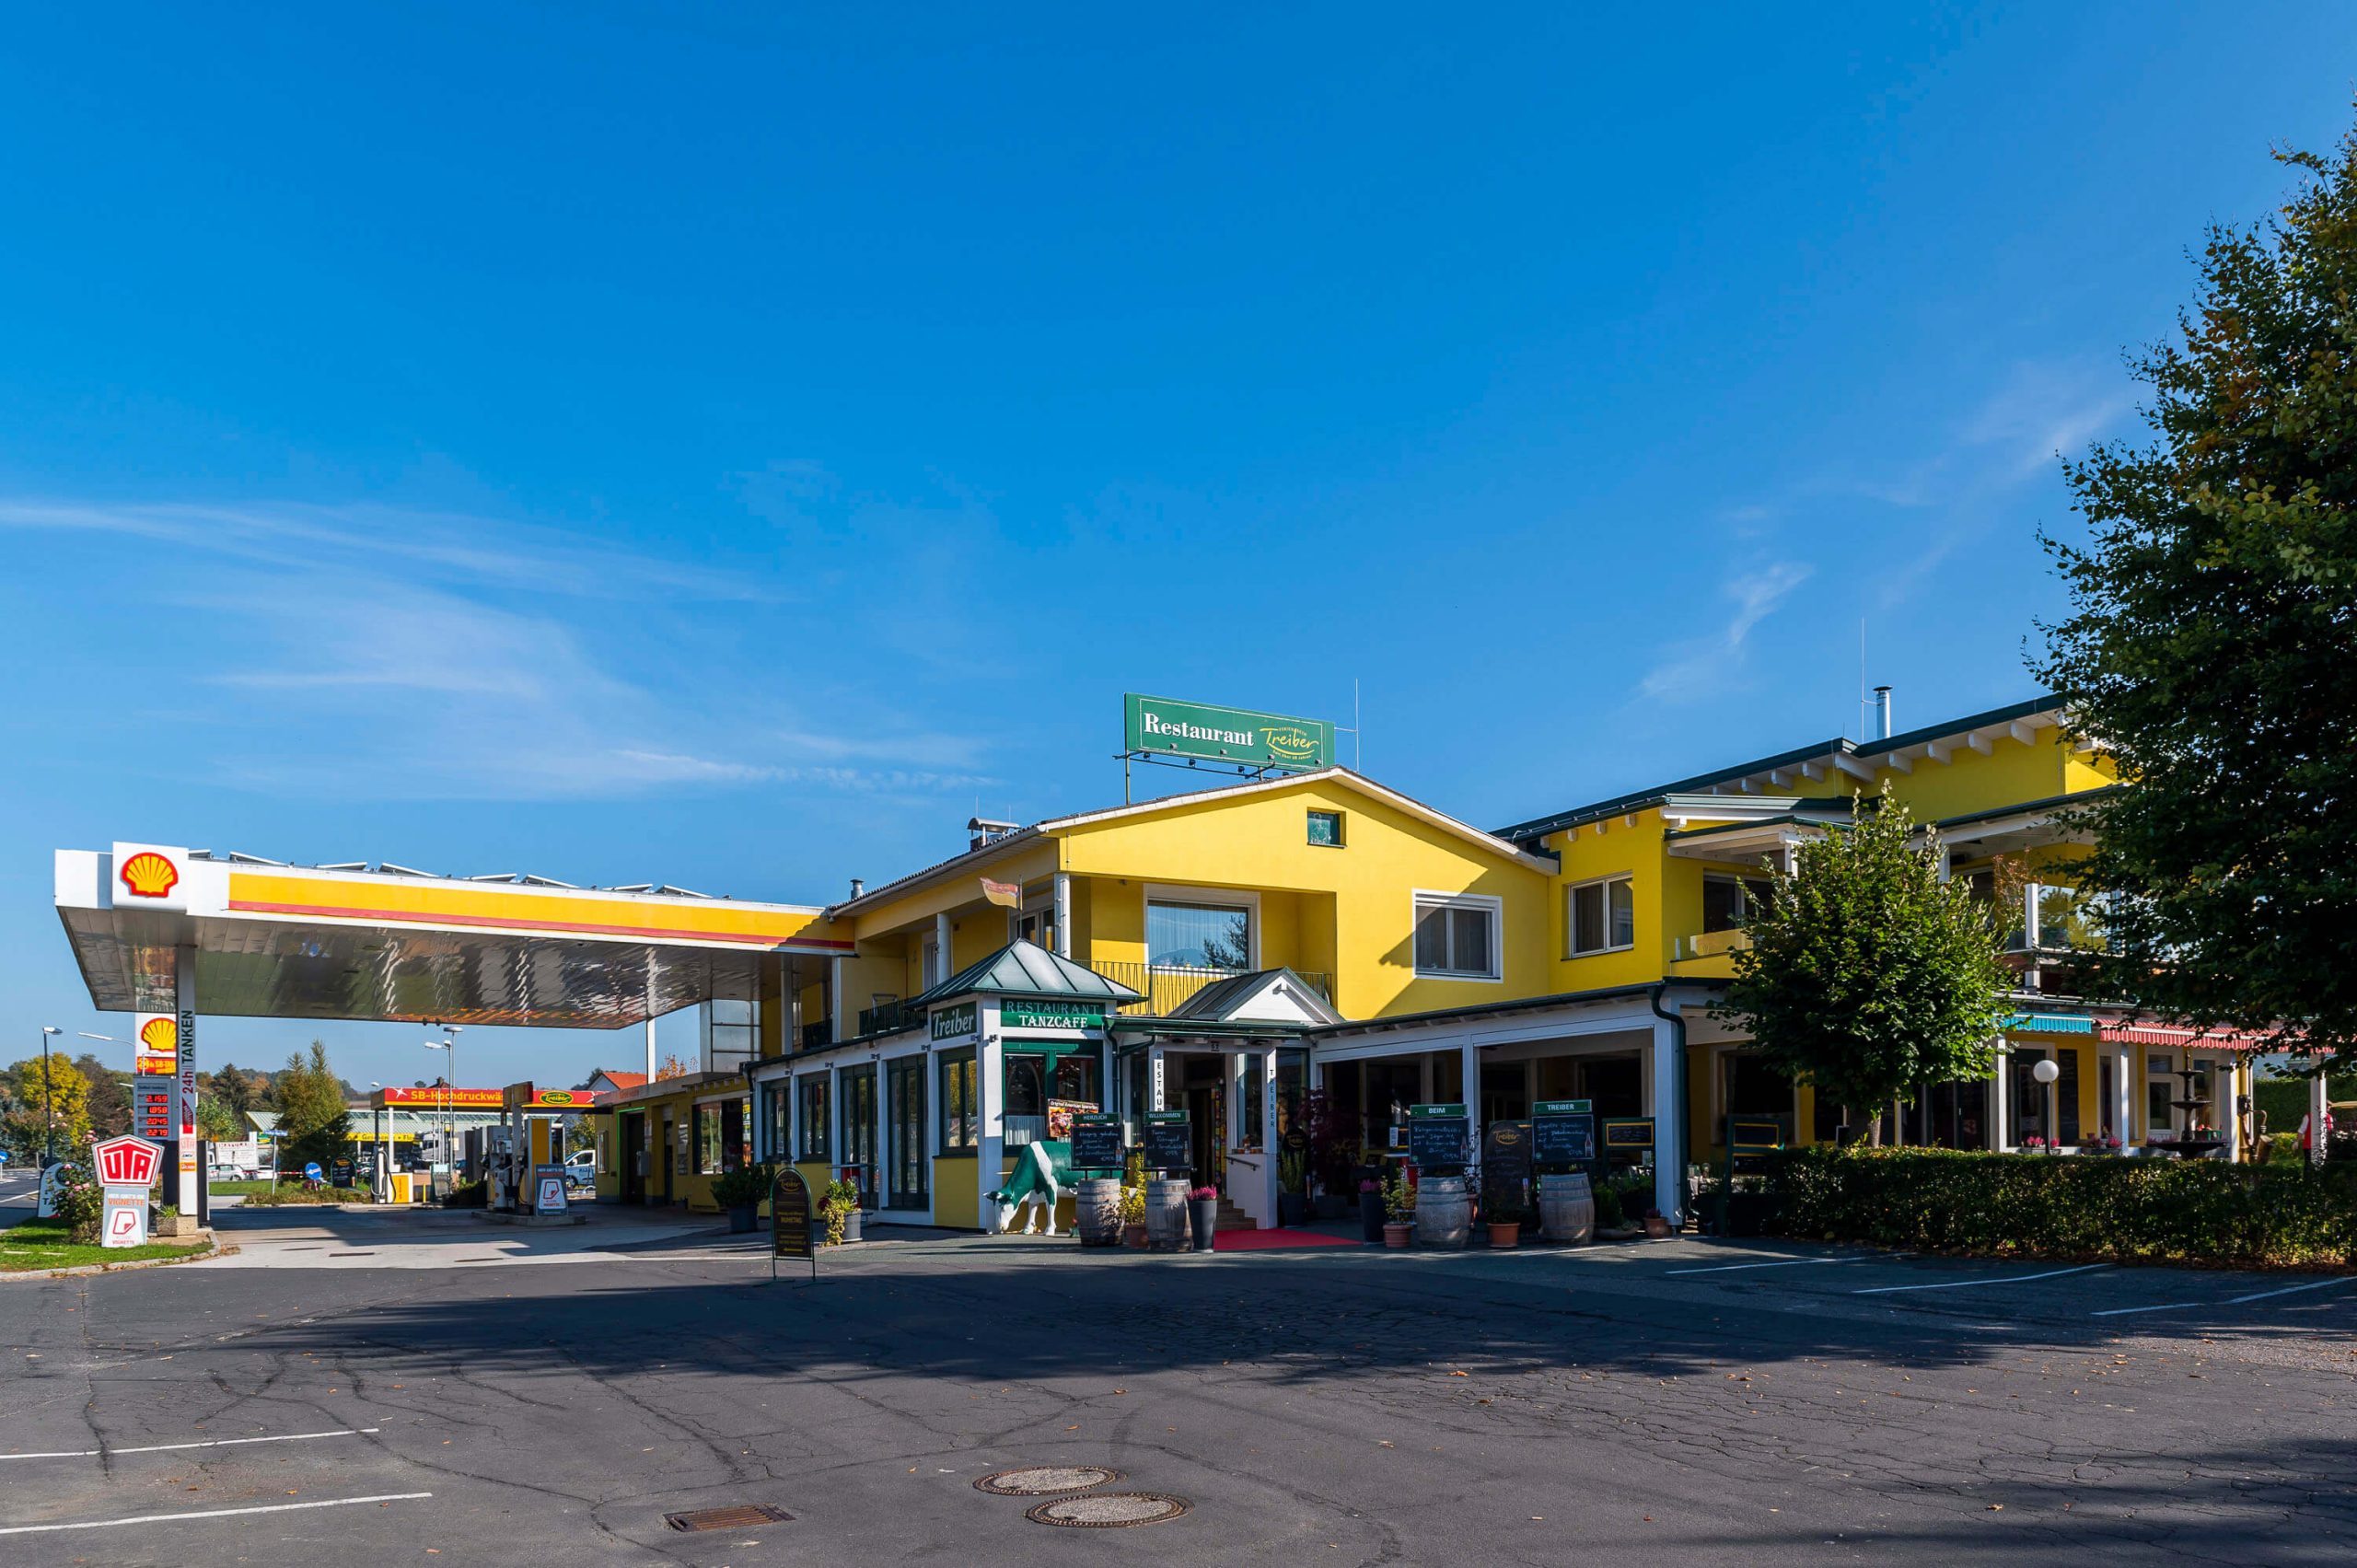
726	448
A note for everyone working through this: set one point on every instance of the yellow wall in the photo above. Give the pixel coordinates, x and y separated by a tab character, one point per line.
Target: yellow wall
1344	912
957	1191
1637	852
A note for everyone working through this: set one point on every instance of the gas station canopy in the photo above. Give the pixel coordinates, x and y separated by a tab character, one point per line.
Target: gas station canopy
398	946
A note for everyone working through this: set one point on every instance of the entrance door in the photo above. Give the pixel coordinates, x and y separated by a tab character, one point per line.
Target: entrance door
630	1150
859	1130
904	1084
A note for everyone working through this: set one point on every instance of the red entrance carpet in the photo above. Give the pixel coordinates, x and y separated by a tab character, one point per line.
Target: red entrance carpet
1254	1240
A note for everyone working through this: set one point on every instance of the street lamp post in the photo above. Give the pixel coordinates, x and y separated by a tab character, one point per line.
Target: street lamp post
2046	1071
449	1042
48	1101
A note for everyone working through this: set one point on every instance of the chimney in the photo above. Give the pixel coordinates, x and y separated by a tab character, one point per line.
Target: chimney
980	831
1882	712
858	886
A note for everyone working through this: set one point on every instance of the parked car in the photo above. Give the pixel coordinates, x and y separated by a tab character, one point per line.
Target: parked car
581	1168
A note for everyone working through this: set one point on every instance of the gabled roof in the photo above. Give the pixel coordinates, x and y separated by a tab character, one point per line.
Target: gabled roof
619	1080
1839	755
1026	968
1260	996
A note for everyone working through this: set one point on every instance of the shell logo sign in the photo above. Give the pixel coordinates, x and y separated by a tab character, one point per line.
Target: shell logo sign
157	1044
150	875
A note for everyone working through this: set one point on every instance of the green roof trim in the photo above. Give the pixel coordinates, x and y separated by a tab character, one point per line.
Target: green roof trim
1026	968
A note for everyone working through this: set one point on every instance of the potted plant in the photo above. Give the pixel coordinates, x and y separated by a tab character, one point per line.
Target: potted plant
1399	1206
1293	1188
1501	1209
1371	1211
741	1193
1202	1214
1133	1214
841	1210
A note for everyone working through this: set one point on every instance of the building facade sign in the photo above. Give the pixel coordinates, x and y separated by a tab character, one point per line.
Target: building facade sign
1164	725
958	1022
1013	1015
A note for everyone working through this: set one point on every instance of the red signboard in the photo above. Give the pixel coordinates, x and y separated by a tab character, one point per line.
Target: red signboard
126	1162
460	1100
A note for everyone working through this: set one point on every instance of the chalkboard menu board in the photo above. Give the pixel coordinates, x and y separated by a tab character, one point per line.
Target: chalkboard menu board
1564	1139
1629	1132
1169	1144
1097	1141
1439	1138
1505	1155
790	1233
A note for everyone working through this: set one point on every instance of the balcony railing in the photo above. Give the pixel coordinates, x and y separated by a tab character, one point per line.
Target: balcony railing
889	1017
1165	987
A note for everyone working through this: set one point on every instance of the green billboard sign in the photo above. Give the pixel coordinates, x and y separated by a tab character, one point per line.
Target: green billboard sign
1015	1015
1164	725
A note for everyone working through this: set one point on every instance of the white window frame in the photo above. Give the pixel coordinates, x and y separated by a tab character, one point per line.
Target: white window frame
1572	949
1422	899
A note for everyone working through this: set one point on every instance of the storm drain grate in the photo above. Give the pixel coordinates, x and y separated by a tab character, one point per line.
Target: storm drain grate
1109	1510
1045	1480
738	1518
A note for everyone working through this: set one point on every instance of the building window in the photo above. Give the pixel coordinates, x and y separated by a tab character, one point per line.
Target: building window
1457	937
960	1112
1198	937
816	1141
1025	1099
2160	1088
1325	828
929	967
1603	916
777	1112
1728	901
705	1135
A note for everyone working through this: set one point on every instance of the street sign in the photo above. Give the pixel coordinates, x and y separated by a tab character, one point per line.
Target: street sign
1440	1138
791	1232
547	1190
125	1221
312	1171
1169	1143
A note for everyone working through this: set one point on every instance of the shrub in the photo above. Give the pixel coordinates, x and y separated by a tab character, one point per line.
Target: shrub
1608	1210
2149	1209
744	1187
81	1202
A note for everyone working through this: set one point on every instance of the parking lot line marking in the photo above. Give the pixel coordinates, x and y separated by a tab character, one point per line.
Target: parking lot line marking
2287	1290
2125	1311
210	1443
1779	1264
210	1514
1959	1285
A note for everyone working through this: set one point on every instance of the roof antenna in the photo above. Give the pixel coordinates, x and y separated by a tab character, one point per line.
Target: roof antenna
1862	678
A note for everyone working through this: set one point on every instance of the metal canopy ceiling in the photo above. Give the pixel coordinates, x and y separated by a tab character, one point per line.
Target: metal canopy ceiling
433	955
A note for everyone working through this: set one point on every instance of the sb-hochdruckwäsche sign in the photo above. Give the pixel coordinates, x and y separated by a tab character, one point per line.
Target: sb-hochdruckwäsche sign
1166	726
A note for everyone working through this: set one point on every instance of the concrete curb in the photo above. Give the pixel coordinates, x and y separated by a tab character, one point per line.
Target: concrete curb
216	1250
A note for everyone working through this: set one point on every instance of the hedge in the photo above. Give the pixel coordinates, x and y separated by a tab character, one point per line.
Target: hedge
2079	1206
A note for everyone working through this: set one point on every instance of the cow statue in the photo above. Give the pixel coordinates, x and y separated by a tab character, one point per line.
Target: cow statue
1042	1173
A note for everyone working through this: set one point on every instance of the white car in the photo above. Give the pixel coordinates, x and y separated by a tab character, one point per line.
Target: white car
581	1168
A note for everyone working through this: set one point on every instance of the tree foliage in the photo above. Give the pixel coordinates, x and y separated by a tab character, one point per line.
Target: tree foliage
2211	646
1866	974
24	1124
312	1122
110	1095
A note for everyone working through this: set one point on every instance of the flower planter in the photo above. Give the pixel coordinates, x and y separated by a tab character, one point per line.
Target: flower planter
1293	1209
1398	1233
1371	1218
1133	1235
1505	1233
851	1224
1202	1214
1657	1227
741	1218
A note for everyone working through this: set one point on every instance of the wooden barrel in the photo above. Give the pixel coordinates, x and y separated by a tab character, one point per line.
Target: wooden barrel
1096	1211
1444	1213
1166	1213
1566	1207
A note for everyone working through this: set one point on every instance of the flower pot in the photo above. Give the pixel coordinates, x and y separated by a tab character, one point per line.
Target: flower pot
1202	1215
1398	1233
1657	1226
851	1224
1371	1218
1133	1235
740	1218
1505	1233
1293	1208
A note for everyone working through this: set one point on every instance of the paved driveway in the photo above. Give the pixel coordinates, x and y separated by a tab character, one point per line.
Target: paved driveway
1683	1401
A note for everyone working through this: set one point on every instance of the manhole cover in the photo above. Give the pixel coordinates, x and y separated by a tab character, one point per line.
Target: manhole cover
1109	1510
1043	1480
737	1518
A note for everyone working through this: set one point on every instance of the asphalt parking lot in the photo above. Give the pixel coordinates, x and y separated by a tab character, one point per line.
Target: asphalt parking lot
1722	1402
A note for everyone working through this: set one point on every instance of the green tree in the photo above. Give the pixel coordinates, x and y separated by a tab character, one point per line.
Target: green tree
1866	974
110	1095
2211	646
235	1088
25	1126
312	1122
216	1121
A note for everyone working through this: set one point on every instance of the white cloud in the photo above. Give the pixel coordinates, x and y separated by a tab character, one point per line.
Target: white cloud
1698	667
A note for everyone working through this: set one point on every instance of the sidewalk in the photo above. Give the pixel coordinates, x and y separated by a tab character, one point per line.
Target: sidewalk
360	1236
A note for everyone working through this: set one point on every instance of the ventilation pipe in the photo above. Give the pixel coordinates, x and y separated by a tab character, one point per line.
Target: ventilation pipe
858	886
1882	713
